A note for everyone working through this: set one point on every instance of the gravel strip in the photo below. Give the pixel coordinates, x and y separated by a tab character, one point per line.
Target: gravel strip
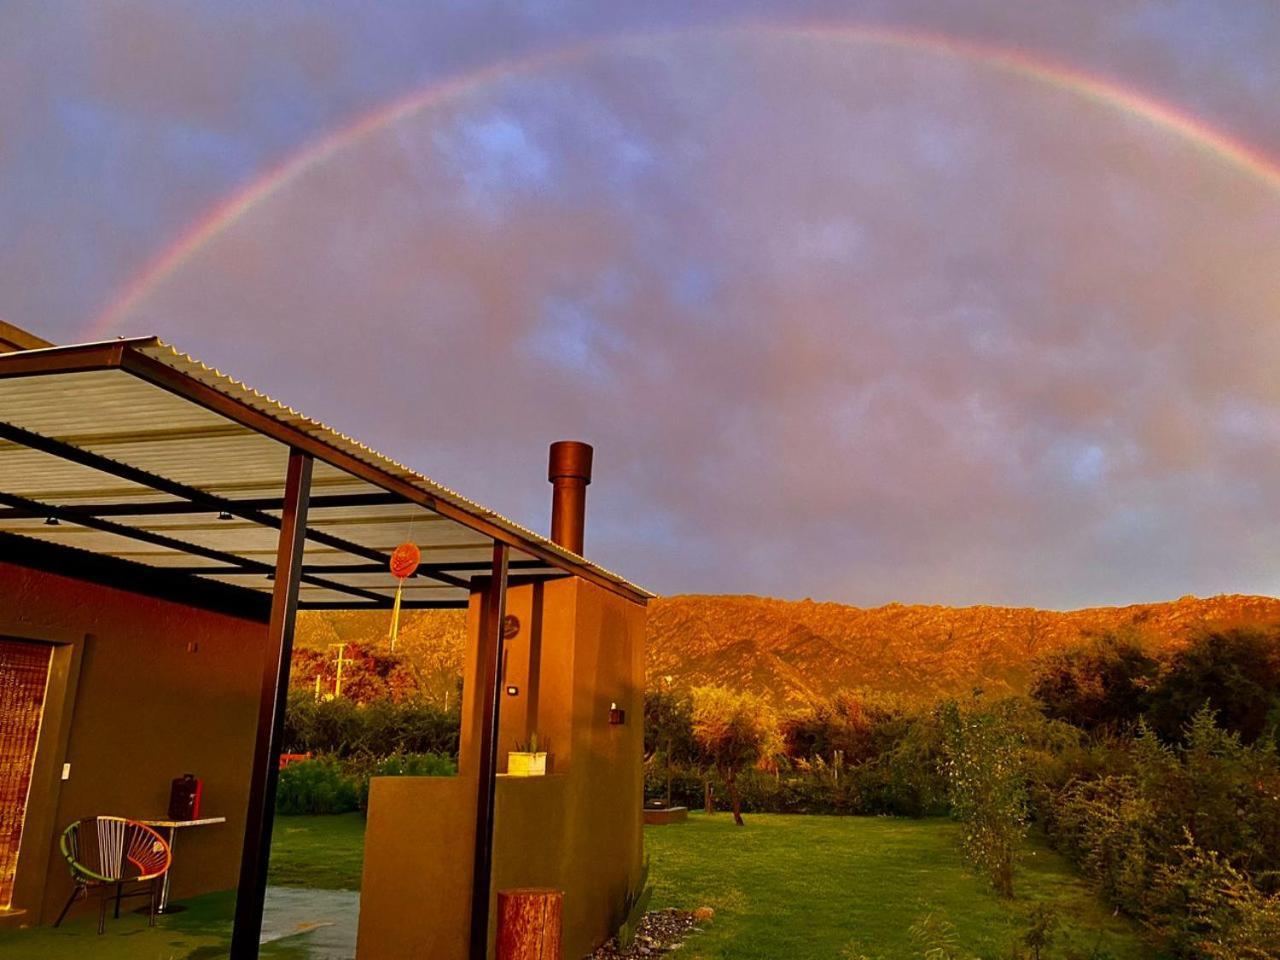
660	932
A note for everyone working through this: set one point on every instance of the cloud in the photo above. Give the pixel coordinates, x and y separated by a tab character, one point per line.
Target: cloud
843	321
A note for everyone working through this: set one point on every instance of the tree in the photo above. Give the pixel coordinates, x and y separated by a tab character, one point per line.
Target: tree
986	779
733	731
1104	683
1236	673
668	731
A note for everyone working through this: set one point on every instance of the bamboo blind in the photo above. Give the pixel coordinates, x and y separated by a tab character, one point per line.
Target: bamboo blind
24	674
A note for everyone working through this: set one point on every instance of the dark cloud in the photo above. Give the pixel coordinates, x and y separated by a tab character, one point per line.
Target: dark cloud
843	320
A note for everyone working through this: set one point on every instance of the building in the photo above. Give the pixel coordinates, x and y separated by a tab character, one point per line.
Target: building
161	524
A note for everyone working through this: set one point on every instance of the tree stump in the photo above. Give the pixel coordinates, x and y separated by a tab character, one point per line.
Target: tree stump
529	923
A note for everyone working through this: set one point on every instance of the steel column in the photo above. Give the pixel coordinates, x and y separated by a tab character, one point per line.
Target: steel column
251	890
495	608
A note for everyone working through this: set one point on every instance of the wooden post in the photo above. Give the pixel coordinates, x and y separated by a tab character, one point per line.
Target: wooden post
529	923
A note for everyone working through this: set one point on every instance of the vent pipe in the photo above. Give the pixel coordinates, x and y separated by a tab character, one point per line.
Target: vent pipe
569	472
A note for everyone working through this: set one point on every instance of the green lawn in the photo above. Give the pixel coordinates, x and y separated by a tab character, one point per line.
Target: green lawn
318	852
801	887
783	887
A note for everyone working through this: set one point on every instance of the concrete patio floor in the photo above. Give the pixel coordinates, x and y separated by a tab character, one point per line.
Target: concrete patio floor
299	924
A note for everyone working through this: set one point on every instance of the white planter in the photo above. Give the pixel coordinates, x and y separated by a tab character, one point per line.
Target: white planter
526	764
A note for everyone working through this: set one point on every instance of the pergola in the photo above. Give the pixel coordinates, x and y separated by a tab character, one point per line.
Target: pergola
130	464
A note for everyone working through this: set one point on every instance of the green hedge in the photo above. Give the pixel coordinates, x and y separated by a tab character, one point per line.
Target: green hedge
330	786
341	728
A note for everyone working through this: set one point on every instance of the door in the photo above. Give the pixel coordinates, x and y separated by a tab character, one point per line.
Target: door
24	677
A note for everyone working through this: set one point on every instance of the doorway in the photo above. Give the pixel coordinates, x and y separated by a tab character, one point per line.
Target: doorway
24	679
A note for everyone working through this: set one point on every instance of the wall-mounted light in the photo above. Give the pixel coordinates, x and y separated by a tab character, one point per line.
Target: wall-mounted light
223	515
617	716
52	522
513	691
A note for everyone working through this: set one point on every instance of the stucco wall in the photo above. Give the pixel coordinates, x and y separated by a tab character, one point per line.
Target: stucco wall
580	648
146	709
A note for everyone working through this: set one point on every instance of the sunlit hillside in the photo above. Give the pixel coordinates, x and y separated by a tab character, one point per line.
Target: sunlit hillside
798	650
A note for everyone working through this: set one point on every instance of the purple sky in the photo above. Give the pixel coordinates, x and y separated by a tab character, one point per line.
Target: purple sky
844	320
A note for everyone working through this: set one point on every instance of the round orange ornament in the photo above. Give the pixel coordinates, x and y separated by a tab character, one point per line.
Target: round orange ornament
405	560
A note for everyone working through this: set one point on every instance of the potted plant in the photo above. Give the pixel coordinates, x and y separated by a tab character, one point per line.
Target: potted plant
526	760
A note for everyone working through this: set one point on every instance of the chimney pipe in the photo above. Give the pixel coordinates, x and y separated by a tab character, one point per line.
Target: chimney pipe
569	472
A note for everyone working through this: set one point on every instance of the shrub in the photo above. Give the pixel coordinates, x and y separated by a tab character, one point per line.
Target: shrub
342	728
986	780
315	786
401	765
1208	908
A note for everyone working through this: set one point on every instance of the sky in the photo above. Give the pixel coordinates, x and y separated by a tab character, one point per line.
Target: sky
930	302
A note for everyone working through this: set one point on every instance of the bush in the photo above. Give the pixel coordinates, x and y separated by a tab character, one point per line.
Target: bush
1207	908
1185	837
342	728
313	787
405	765
330	786
987	783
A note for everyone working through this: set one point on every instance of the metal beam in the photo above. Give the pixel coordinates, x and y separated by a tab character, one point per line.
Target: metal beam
182	546
429	568
187	507
255	854
404	605
120	574
211	502
495	608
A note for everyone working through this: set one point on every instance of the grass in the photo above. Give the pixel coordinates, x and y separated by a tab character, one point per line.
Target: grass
783	887
804	887
324	853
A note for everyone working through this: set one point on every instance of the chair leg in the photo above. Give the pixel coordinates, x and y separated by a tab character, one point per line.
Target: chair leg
102	912
151	903
70	900
119	891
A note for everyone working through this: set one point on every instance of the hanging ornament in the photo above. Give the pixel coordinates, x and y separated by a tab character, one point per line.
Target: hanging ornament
404	564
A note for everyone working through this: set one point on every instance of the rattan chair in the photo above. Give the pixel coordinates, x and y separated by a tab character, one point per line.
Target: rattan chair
110	852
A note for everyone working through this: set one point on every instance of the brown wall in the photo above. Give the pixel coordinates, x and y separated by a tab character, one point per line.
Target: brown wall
579	649
142	710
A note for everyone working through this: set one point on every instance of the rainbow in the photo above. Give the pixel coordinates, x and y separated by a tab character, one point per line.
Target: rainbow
1099	89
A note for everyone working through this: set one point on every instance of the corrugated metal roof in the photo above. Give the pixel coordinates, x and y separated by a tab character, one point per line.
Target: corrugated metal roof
143	404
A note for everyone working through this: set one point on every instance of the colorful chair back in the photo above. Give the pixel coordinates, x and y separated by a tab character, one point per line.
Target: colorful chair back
114	850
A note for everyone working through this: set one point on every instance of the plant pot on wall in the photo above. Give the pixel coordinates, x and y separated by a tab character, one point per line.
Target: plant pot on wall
527	760
522	763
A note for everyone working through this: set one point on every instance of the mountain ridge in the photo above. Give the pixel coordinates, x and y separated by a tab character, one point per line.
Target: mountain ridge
799	650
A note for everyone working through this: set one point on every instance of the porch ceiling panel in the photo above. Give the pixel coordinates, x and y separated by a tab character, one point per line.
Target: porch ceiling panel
143	454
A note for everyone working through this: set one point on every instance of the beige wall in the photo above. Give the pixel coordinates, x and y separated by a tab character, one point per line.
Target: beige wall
579	649
142	710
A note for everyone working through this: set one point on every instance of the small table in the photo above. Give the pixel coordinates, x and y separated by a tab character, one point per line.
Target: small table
173	826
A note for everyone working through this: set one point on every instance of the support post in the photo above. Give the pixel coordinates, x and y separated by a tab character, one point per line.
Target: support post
255	855
495	608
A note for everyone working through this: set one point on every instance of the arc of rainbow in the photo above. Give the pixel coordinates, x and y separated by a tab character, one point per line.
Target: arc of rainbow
1097	88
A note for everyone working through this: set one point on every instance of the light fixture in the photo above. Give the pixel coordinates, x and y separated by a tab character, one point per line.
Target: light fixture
617	716
223	515
52	522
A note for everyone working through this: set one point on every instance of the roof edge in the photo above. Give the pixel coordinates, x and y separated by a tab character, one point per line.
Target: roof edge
158	363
